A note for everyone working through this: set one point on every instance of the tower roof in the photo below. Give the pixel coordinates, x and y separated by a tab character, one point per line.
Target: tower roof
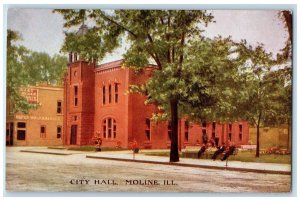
83	29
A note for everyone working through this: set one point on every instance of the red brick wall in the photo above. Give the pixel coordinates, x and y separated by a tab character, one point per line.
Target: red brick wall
117	111
80	74
130	112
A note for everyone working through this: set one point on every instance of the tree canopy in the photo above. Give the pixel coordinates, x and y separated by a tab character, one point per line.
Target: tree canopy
211	79
24	68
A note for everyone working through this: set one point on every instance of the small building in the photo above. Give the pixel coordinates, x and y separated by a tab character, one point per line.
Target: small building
42	126
97	104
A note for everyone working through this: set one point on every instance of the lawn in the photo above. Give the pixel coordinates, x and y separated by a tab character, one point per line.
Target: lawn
244	156
88	148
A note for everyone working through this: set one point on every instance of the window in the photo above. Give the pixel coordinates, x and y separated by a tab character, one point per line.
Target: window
58	131
116	93
103	95
186	131
114	129
58	109
109	94
204	136
43	132
21	125
75	95
240	132
104	128
169	130
147	131
21	132
214	129
109	127
230	131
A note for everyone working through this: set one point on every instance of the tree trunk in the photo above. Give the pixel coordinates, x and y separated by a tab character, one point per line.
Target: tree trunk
257	141
174	155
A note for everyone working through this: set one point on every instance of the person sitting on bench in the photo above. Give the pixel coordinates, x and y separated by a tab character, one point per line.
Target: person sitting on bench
220	150
229	152
202	149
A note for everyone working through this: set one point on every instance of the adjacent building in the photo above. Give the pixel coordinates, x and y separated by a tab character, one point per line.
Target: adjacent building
42	126
97	104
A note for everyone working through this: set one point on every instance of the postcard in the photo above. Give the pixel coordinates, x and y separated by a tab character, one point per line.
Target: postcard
142	100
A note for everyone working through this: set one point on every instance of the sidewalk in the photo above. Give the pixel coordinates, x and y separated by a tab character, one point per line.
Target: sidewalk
127	156
198	163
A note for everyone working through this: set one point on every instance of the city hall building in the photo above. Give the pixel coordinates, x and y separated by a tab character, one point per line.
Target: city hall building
96	104
42	126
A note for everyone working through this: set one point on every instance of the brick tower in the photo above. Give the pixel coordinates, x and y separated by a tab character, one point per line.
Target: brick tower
79	111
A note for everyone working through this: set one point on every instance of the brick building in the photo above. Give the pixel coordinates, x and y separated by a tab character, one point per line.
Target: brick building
96	104
42	126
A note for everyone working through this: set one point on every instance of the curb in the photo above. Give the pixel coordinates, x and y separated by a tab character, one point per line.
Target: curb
194	165
44	152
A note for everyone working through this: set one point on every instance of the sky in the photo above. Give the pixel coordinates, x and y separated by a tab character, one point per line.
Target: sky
42	30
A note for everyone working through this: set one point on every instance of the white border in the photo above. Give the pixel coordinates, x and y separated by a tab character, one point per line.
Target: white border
178	4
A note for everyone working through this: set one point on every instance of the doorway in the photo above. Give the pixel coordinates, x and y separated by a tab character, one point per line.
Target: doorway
73	135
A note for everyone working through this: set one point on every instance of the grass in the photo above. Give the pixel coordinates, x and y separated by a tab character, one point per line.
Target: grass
93	148
244	156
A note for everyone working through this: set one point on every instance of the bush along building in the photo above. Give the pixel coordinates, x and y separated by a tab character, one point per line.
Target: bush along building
97	105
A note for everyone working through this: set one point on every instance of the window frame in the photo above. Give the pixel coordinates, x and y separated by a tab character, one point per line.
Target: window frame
76	89
109	94
58	133
116	93
148	129
43	134
103	95
59	107
21	129
109	128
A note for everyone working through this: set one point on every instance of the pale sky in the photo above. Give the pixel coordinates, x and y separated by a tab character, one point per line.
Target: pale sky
42	30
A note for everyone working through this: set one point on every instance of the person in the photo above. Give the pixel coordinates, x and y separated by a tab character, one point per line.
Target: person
202	150
229	152
217	141
204	138
212	141
220	150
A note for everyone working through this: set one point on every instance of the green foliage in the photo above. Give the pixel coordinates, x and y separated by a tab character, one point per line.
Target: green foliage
16	74
208	79
26	68
160	36
40	67
266	88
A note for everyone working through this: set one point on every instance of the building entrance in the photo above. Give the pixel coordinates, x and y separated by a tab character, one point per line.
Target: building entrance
73	134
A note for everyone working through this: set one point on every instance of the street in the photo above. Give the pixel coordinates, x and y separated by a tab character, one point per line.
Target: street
32	172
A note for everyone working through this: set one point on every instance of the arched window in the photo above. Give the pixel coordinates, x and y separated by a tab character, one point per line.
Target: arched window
109	127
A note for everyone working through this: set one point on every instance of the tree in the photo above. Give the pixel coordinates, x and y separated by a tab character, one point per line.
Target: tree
263	96
40	67
16	75
161	36
25	68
